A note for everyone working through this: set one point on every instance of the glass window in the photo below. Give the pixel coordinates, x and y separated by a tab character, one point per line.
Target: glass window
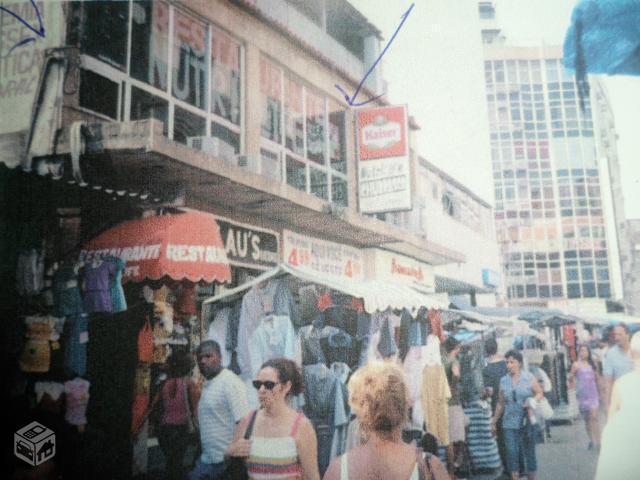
339	191
150	42
189	66
293	116
589	289
271	165
98	94
573	290
187	124
229	137
296	174
315	128
531	291
144	105
225	76
556	291
604	290
105	33
270	86
337	135
319	183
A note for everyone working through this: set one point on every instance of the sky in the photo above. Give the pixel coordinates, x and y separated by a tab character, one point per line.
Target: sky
434	66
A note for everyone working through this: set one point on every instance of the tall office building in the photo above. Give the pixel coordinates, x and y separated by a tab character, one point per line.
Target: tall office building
550	217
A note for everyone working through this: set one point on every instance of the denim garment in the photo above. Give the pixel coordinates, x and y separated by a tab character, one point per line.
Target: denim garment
310	338
66	292
514	411
387	345
118	300
338	347
76	346
273	338
326	407
471	365
520	446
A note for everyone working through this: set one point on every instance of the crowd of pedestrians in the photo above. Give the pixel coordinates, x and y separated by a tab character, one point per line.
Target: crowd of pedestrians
277	441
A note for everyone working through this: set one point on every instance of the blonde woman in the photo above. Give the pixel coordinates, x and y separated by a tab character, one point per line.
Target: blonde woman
379	397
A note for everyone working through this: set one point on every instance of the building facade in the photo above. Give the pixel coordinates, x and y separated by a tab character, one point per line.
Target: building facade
550	216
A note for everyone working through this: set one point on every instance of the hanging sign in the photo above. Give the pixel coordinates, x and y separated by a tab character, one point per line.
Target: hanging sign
323	257
384	172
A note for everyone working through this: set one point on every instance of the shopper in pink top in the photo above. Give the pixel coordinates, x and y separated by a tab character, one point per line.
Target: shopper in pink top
175	413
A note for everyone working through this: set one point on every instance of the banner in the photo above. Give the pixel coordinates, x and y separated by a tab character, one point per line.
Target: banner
384	171
323	257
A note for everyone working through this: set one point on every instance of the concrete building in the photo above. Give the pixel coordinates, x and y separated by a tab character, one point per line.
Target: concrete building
550	214
226	106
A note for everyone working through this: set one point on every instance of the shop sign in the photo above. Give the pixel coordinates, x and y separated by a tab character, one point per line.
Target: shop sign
490	278
384	171
394	268
21	65
249	246
322	257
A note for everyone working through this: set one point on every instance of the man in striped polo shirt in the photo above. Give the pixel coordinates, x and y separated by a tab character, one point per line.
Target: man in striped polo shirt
223	403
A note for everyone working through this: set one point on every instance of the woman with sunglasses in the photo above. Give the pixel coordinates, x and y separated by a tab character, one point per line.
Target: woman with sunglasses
516	388
283	443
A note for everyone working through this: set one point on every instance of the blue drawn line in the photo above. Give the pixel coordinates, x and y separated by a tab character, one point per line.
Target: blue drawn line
40	31
351	100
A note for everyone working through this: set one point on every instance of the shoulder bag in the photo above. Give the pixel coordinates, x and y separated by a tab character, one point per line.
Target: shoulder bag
235	467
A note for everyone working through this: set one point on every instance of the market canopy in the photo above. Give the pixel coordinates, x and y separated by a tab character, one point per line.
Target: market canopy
185	246
376	296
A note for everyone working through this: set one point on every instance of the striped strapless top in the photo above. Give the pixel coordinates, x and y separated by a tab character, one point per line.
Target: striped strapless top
275	458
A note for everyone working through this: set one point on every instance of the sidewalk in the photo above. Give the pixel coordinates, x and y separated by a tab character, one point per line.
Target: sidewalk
566	456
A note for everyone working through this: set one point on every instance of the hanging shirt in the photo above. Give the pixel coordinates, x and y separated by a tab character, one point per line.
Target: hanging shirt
116	292
435	397
97	282
77	399
218	333
273	338
66	292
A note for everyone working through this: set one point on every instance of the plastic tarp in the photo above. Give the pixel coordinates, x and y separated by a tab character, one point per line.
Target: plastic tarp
376	296
604	37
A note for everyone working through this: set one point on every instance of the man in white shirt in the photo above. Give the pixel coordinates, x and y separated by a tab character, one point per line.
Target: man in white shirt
617	361
223	403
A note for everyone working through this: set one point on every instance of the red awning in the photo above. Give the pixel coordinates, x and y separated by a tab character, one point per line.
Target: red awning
183	246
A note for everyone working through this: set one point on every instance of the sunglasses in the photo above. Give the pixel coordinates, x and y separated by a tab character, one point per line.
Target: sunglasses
268	384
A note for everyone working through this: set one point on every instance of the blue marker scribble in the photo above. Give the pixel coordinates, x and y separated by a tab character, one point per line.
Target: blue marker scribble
38	31
352	100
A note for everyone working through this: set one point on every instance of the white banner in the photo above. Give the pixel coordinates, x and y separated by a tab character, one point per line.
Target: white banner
323	257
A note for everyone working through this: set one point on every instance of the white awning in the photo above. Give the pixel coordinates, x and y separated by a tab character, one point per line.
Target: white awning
376	296
610	319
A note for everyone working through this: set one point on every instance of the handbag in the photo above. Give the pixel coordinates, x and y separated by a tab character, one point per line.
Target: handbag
544	409
235	468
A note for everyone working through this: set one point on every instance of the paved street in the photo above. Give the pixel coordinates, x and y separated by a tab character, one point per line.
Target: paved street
566	456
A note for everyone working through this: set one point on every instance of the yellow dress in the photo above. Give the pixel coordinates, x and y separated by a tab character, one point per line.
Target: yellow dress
435	398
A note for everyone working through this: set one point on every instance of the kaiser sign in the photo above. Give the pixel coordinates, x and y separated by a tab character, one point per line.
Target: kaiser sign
384	174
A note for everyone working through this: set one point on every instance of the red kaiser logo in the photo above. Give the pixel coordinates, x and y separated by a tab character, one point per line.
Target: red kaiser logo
382	132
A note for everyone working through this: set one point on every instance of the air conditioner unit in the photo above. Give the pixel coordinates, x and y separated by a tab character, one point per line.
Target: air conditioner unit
262	165
213	146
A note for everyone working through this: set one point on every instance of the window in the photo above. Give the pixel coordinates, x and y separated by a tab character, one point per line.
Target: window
315	112
225	77
187	124
106	35
448	204
293	116
337	134
98	94
189	67
270	89
144	105
150	43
